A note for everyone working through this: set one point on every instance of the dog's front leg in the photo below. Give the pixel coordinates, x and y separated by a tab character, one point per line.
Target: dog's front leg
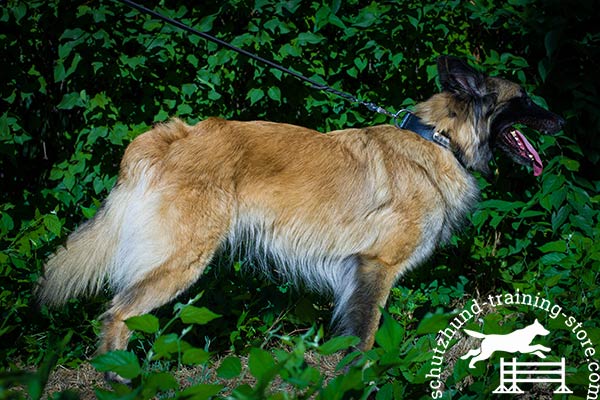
358	312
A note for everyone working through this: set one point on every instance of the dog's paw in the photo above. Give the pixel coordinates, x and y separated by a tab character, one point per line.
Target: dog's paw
116	378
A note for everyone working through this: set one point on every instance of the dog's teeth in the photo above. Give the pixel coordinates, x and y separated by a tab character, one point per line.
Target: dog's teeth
513	133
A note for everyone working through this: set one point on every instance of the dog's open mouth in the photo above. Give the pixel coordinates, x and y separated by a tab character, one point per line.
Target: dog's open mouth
520	147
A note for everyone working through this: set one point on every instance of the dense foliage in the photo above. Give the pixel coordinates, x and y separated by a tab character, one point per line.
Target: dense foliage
82	78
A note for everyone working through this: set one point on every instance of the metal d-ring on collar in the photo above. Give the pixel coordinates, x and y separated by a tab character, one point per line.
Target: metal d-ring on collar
415	124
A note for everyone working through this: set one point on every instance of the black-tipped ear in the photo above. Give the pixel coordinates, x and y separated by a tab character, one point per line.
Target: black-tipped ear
458	77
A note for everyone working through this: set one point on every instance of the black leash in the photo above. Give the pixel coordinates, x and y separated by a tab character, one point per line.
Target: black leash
409	121
314	84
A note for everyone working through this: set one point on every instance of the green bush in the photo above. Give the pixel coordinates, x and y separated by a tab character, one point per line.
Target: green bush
81	79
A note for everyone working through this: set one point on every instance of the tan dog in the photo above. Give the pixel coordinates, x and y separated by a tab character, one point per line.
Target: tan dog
346	212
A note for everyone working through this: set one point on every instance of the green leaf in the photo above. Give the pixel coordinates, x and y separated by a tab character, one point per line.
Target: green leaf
365	18
432	323
74	64
159	381
338	343
431	72
132	62
52	223
167	345
559	246
98	185
309	37
289	50
19	10
65	49
201	391
255	95
206	23
192	59
99	100
360	63
341	384
552	258
70	100
195	356
274	93
386	392
72	34
88	212
571	165
59	72
543	69
501	205
189	89
124	363
261	364
353	72
161	116
558	197
184	109
197	315
413	21
143	323
551	42
553	280
230	368
390	335
559	218
6	223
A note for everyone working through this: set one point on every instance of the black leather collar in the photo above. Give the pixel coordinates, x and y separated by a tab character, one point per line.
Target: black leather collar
415	124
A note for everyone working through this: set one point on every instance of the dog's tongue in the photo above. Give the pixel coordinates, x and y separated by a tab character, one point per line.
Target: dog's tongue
537	161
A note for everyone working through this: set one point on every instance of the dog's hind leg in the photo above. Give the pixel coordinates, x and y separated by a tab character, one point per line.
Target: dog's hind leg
486	352
539	354
359	301
157	288
471	353
190	230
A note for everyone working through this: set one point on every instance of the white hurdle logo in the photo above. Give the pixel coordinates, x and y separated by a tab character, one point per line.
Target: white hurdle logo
513	372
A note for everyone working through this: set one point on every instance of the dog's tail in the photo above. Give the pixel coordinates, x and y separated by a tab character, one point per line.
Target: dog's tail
477	335
83	263
126	238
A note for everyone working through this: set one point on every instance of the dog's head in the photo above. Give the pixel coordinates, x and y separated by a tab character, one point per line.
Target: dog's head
479	113
539	328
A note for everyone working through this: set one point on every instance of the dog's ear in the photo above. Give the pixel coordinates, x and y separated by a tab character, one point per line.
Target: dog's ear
458	77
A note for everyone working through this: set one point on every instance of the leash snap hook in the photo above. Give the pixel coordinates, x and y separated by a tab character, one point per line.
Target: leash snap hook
397	115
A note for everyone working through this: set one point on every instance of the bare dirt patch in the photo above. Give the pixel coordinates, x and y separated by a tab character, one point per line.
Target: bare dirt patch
85	379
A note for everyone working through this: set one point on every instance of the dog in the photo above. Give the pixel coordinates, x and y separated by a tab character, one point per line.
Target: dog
344	213
517	341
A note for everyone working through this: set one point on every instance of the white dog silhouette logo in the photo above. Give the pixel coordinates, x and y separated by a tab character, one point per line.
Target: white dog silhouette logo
517	341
